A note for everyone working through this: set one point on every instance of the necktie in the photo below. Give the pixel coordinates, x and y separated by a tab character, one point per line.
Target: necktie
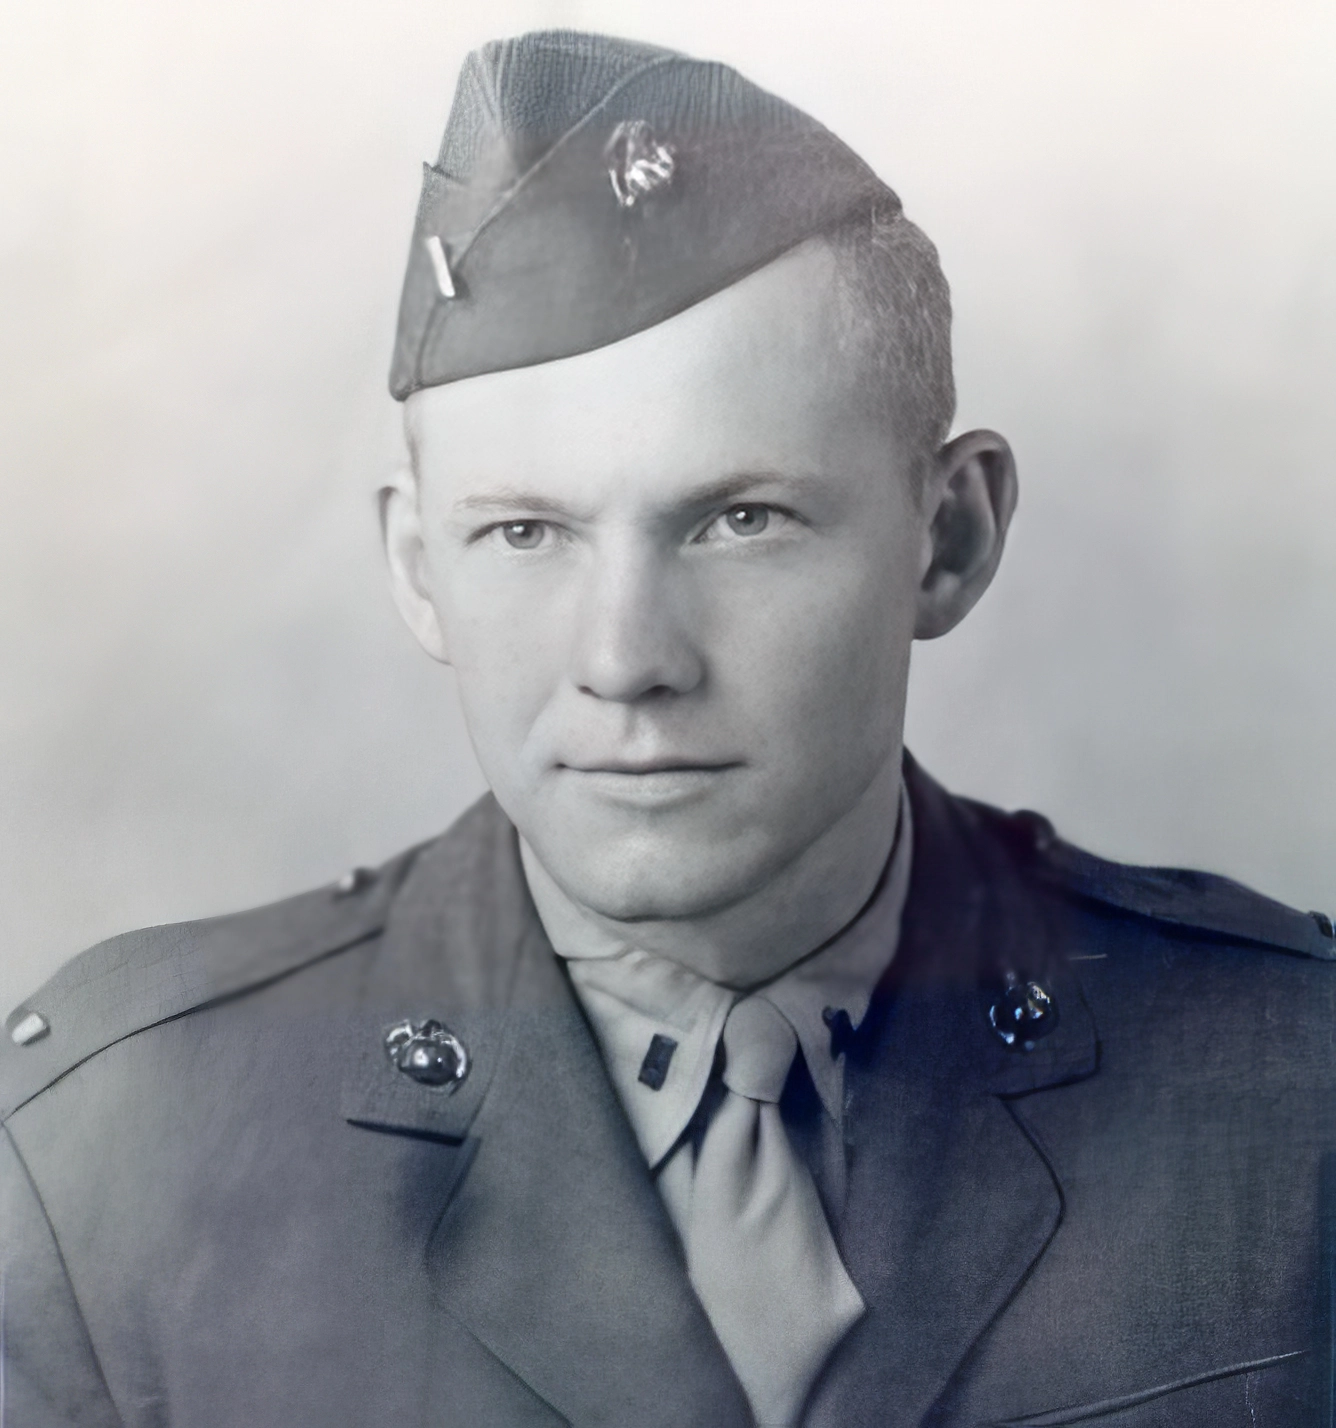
760	1254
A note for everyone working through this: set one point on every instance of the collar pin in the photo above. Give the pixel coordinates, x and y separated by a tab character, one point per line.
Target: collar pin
428	1053
1022	1014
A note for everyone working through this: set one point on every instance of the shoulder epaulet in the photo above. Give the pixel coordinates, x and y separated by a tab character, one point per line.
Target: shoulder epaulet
142	978
1178	896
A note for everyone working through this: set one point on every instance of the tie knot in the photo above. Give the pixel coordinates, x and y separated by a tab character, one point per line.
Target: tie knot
759	1047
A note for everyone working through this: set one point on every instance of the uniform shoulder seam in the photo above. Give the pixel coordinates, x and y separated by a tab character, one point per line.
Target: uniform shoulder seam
146	977
1178	897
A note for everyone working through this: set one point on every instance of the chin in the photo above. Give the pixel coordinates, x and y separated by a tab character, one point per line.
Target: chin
637	879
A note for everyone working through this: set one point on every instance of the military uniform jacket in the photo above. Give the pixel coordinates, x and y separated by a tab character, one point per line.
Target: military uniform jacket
221	1204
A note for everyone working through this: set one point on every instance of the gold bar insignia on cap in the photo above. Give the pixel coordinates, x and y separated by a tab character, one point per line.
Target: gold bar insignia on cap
441	264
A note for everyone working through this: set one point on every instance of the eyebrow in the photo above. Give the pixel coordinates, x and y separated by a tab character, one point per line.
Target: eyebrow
511	498
712	493
707	494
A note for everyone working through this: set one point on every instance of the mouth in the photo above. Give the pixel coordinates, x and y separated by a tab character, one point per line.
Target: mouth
654	782
638	768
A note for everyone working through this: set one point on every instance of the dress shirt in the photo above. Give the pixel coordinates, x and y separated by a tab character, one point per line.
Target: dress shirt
642	1005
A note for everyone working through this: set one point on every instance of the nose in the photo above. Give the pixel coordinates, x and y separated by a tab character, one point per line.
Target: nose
632	639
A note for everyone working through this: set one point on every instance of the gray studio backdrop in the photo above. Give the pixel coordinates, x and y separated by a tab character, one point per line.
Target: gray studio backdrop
205	697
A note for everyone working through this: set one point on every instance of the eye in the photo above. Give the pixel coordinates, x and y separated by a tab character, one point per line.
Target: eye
524	535
747	520
744	520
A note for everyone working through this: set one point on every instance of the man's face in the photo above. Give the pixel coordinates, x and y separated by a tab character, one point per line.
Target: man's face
676	577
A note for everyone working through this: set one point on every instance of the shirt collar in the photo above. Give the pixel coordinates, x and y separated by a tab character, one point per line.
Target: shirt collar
657	1023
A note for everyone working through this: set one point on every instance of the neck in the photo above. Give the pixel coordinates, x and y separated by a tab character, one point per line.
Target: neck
760	936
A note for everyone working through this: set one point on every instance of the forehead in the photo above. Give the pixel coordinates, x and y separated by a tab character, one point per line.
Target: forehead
764	375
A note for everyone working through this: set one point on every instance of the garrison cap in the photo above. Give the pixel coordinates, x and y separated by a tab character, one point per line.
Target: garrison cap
588	187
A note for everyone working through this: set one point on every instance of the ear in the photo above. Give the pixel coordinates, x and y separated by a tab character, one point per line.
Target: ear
971	496
405	555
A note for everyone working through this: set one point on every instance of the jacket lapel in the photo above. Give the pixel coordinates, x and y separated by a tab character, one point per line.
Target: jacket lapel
554	1250
950	1202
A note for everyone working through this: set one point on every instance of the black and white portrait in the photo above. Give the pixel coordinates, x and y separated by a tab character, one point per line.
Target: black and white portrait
675	664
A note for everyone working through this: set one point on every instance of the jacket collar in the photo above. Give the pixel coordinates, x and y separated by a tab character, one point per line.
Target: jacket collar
975	918
951	1203
555	1249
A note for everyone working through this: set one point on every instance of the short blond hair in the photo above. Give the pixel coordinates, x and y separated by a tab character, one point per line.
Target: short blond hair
900	307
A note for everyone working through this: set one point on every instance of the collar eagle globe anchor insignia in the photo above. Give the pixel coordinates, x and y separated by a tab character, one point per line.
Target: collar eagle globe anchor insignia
1022	1013
428	1053
638	164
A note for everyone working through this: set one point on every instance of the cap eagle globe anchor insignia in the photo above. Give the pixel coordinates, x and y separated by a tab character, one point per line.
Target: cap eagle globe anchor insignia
632	200
638	164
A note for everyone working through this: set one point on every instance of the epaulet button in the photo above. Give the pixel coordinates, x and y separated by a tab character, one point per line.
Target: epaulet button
355	880
32	1027
1037	831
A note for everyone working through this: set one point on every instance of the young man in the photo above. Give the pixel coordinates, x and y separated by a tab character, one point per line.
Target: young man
720	1067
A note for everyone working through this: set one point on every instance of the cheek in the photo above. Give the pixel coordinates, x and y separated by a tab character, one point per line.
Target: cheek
823	662
505	644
